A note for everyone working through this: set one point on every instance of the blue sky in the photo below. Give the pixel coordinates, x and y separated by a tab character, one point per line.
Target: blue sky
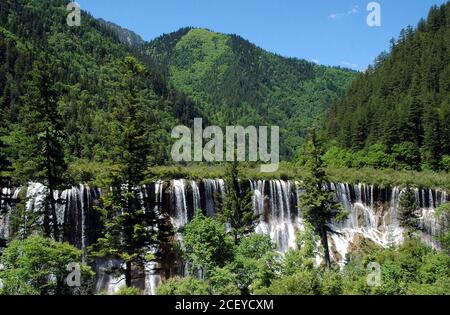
330	32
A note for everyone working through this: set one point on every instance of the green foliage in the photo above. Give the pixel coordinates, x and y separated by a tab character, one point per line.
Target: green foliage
406	156
128	233
301	283
206	243
442	215
223	281
5	180
319	206
412	268
255	246
403	156
402	100
294	171
331	282
409	211
234	82
38	266
184	286
128	291
237	208
256	263
445	166
86	70
41	137
303	257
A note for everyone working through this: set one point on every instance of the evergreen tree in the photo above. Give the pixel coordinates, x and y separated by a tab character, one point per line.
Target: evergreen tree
5	167
129	231
319	206
409	211
402	98
432	148
237	208
42	153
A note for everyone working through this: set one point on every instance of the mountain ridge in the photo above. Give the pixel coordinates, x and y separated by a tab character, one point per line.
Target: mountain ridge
402	103
233	81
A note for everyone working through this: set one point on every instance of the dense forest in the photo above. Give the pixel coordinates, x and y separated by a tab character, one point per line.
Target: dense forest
85	66
86	70
235	82
85	174
397	113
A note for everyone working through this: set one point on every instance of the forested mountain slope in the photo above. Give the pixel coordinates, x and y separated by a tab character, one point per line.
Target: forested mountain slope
86	69
235	82
196	73
400	107
125	36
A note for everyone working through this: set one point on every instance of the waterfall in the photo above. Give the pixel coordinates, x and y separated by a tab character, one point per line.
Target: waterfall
5	213
196	196
108	281
152	278
275	215
214	188
178	198
372	215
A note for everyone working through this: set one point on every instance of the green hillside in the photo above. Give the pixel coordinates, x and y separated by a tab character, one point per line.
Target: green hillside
86	65
235	82
399	110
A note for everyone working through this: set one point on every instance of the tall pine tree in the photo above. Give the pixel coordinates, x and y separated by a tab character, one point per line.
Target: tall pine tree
5	168
237	208
319	206
409	211
129	232
42	153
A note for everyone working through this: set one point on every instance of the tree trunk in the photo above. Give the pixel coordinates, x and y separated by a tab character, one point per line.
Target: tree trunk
128	274
326	250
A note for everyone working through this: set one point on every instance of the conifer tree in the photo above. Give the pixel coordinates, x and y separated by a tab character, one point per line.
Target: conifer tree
409	211
318	205
42	153
129	231
432	148
237	208
5	167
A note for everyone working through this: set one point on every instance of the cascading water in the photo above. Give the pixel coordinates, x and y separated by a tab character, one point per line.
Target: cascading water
196	196
373	215
214	188
179	204
275	211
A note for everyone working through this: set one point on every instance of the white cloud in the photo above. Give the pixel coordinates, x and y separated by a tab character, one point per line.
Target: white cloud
348	64
315	61
353	10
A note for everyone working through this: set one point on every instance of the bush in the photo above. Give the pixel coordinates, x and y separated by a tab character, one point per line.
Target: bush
207	245
301	283
406	156
376	157
331	282
255	246
445	164
223	281
338	157
38	266
128	291
184	286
